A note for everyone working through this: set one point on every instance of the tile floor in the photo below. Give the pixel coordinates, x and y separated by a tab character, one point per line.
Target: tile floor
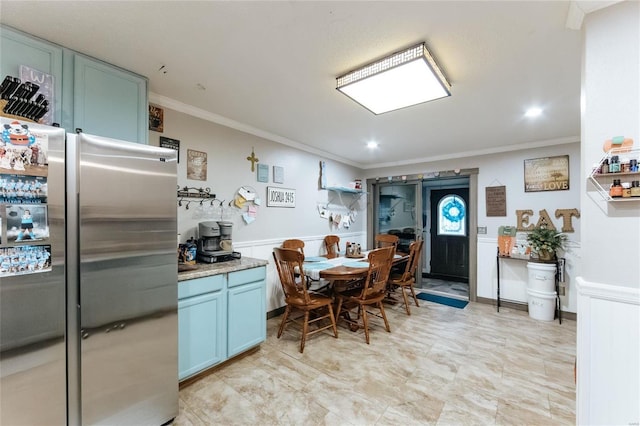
439	366
444	287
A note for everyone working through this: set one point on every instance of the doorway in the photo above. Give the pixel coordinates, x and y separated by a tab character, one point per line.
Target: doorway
403	203
446	217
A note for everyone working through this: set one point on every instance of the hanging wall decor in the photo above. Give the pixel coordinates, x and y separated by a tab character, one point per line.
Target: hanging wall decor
546	174
156	118
196	165
172	144
263	173
496	201
253	160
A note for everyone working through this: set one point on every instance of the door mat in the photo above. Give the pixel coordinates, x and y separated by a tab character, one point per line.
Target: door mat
456	303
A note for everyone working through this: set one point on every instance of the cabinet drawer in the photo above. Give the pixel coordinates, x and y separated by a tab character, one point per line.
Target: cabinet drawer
246	276
200	286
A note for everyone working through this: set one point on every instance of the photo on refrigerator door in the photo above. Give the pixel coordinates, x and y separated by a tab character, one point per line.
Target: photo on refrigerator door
23	151
24	260
26	223
19	189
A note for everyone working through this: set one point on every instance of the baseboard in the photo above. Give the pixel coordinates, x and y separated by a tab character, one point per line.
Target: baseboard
276	312
521	307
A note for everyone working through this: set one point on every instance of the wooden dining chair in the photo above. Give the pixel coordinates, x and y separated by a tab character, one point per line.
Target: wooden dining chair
407	279
371	294
332	245
298	297
386	240
294	244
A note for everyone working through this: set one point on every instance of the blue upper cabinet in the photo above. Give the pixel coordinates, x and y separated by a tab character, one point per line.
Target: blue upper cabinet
19	49
108	101
99	98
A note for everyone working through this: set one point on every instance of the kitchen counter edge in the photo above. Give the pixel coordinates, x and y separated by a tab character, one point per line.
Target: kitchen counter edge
209	269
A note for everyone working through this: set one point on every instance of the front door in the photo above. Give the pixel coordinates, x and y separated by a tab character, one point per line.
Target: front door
450	234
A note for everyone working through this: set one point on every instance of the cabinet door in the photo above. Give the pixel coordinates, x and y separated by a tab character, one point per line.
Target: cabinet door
109	101
20	49
201	332
247	322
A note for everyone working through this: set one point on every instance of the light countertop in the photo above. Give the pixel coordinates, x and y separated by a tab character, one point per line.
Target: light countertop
209	269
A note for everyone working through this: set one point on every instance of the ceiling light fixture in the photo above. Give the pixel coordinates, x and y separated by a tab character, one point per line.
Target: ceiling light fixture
372	145
405	78
533	112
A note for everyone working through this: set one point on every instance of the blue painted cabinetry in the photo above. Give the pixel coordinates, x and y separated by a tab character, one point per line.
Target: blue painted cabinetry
220	316
247	297
97	97
201	324
108	101
19	49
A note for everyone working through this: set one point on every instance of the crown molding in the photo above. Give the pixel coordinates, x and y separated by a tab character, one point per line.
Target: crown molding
578	9
166	102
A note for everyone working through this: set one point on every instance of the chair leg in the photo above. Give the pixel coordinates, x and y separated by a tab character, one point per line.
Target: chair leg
339	309
406	301
413	293
384	317
305	330
333	321
284	320
365	323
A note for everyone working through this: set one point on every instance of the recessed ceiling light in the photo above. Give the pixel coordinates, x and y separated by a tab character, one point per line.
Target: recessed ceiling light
533	112
372	145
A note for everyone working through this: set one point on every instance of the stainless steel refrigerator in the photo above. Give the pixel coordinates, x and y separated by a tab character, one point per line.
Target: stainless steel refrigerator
88	320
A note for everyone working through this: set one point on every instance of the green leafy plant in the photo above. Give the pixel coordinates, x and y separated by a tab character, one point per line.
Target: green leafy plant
546	241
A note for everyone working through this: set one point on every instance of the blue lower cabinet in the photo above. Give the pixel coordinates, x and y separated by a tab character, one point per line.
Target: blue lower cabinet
220	317
202	325
247	318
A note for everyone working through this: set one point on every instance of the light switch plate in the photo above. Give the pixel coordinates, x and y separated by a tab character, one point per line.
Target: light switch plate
482	229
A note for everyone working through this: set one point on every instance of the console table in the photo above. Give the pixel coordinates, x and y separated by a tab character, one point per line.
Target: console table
500	257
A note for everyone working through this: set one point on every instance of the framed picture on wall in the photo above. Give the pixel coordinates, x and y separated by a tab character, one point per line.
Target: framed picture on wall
546	174
172	144
156	118
263	173
196	165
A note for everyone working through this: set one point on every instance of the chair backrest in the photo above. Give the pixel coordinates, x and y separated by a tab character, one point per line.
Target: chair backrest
379	267
386	240
289	266
415	248
332	244
294	244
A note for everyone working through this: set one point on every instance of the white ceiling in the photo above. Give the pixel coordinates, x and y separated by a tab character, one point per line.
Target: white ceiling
269	68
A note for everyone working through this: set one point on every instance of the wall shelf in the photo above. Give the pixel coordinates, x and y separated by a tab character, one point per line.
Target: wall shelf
356	194
603	181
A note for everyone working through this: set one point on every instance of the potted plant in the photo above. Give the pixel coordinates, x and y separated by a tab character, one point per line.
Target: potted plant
545	241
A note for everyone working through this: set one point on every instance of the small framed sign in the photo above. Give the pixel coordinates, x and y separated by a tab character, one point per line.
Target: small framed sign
278	174
496	201
281	197
171	143
196	165
263	173
156	118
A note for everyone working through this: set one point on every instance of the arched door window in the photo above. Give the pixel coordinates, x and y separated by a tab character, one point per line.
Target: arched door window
451	216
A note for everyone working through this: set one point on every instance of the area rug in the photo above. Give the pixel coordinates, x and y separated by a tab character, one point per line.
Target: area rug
456	303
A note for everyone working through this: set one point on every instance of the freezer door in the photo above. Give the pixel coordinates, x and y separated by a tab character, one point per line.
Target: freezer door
32	298
128	282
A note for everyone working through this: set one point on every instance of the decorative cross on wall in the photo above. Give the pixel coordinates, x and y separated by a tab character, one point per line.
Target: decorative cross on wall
253	160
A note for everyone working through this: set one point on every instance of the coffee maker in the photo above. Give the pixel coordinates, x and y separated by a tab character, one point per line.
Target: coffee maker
214	242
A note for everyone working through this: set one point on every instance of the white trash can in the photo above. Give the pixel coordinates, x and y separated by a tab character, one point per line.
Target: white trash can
542	305
542	277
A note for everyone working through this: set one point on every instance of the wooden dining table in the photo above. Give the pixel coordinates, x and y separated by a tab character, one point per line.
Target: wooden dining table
342	268
343	272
